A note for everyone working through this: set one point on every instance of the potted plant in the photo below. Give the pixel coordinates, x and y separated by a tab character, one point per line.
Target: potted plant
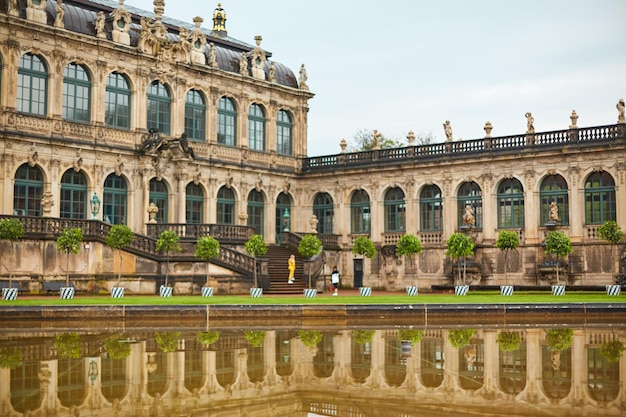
69	241
559	244
10	357
409	245
11	229
255	246
207	338
207	248
68	345
612	233
509	341
460	246
167	341
168	241
310	338
364	246
254	337
309	246
117	348
507	241
118	238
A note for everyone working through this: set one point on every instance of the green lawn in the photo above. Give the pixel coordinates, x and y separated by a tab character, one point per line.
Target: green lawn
380	298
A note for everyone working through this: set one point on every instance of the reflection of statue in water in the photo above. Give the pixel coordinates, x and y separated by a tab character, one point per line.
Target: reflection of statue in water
468	216
553	214
470	357
447	128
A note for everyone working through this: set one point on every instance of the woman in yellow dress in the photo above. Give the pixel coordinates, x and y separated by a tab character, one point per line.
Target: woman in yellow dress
292	268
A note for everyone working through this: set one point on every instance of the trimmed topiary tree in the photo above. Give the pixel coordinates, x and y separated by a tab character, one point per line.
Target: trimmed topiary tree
612	233
559	340
509	341
254	337
11	229
460	246
69	241
612	350
116	348
364	246
255	246
207	338
413	336
310	338
362	337
207	248
309	246
559	244
168	241
68	345
461	337
10	357
507	241
167	341
118	238
409	245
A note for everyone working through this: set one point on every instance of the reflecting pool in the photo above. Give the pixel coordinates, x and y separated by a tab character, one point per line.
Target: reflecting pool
560	370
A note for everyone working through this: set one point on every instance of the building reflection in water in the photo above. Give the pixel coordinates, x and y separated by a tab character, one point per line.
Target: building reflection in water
352	372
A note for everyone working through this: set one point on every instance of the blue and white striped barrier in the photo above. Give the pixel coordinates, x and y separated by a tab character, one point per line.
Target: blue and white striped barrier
558	290
506	290
411	291
365	291
461	290
613	290
310	292
256	292
207	291
67	293
117	292
165	292
9	294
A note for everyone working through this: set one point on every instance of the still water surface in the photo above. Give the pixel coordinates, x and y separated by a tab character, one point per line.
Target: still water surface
462	371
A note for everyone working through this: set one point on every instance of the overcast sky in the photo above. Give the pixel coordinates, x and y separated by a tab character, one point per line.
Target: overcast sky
403	65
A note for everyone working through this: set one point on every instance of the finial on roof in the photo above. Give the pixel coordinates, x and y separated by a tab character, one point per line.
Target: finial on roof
219	19
159	9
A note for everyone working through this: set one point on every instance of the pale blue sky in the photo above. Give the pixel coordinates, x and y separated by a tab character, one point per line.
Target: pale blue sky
405	65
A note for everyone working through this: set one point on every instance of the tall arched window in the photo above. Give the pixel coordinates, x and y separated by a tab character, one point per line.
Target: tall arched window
194	203
431	209
360	214
117	102
76	94
160	197
324	210
256	128
256	211
225	206
73	195
470	194
395	210
115	200
599	198
159	107
226	122
32	85
284	143
554	188
510	202
283	206
195	116
27	191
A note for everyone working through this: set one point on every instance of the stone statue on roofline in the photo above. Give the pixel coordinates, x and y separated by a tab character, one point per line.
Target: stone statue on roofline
620	111
447	128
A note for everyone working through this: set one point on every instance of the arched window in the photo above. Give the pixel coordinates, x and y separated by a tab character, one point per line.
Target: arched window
225	206
160	197
283	206
554	188
470	194
194	203
324	210
195	116
395	210
159	107
256	210
360	214
284	143
510	202
256	128
226	122
76	94
599	198
431	209
117	102
73	195
32	85
115	200
28	191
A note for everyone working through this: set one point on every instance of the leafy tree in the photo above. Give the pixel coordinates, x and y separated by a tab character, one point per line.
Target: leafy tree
117	348
10	357
612	233
11	229
460	246
255	337
68	345
255	246
363	245
409	245
207	248
69	241
168	241
309	246
118	238
559	244
509	341
413	336
461	337
363	140
167	341
362	337
507	241
559	340
310	338
612	350
207	338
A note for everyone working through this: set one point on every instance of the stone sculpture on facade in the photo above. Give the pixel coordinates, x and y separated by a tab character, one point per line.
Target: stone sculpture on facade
272	73
100	33
553	214
447	128
303	78
468	216
621	118
257	56
60	9
198	42
121	24
243	64
530	123
152	212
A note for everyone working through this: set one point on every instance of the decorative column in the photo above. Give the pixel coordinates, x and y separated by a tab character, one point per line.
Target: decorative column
180	203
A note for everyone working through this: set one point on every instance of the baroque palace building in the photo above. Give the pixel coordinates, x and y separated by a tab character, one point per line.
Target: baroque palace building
114	115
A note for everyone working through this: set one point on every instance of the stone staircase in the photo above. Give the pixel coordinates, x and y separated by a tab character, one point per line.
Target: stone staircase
278	272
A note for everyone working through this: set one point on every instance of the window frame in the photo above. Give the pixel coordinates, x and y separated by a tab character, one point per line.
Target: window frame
360	213
114	95
159	107
284	132
256	128
195	116
395	210
76	97
601	195
510	204
36	95
194	203
226	122
431	209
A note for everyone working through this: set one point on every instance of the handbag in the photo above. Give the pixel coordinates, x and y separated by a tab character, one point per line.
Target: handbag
331	287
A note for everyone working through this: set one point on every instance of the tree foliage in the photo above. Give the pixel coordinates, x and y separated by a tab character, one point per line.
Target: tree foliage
409	245
207	338
612	350
362	337
167	341
460	245
69	241
559	340
309	246
207	248
254	337
363	140
507	241
413	336
11	229
117	348
310	338
559	244
363	245
118	238
612	233
461	337
255	246
68	345
10	357
168	241
509	341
